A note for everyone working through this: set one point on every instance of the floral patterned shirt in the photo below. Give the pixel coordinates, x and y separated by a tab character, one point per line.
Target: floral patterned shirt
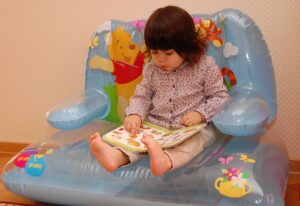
164	97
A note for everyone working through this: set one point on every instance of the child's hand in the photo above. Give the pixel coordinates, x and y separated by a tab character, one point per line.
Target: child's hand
192	118
132	123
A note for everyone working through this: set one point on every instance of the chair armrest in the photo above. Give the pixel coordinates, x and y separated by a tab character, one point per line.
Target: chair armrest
245	114
78	110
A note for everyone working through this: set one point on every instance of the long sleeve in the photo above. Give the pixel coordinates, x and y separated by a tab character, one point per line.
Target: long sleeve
214	89
141	100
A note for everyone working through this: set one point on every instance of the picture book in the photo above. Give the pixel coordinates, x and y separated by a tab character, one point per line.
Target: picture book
166	138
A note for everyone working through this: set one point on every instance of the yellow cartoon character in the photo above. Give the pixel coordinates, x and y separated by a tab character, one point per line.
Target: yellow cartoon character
125	63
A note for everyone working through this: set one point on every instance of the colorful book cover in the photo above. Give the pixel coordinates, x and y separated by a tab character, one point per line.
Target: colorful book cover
166	138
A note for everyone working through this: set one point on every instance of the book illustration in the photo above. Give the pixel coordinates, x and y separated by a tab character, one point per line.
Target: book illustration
166	138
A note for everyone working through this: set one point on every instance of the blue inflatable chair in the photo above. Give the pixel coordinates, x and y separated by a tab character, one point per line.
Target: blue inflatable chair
243	167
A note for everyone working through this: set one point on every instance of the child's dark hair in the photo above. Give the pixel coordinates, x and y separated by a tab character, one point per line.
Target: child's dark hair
172	27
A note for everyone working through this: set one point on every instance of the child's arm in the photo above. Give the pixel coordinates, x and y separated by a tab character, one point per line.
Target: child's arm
141	100
215	91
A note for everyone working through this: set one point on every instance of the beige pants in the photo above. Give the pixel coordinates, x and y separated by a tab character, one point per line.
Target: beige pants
186	151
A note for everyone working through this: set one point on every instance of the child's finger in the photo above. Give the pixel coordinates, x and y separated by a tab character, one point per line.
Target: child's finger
93	136
138	125
133	131
183	119
189	124
135	128
128	126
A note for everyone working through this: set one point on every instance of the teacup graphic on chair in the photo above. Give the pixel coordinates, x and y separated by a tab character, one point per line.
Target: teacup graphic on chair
234	183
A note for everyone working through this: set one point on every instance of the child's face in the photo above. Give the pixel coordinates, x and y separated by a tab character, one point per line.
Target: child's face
166	60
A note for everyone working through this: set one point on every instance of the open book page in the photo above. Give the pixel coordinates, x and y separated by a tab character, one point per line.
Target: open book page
166	138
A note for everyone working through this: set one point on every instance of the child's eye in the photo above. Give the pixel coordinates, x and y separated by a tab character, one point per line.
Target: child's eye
154	52
168	53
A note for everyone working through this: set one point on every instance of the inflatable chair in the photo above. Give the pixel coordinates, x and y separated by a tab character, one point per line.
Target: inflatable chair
245	166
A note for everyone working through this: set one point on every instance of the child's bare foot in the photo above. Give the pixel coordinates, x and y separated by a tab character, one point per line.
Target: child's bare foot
109	157
160	162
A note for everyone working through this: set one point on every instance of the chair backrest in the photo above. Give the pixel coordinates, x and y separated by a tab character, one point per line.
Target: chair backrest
115	58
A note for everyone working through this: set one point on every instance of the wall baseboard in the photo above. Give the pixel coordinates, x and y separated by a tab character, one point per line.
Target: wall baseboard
294	166
11	147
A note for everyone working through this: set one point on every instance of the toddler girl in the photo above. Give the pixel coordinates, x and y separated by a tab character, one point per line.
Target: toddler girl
181	86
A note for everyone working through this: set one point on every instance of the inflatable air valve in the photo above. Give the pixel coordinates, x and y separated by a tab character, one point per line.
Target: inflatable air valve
77	110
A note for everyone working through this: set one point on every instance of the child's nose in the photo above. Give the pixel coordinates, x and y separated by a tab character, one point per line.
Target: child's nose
161	58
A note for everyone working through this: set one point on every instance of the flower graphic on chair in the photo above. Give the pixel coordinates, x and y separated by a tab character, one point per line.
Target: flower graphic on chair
230	173
238	180
233	183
